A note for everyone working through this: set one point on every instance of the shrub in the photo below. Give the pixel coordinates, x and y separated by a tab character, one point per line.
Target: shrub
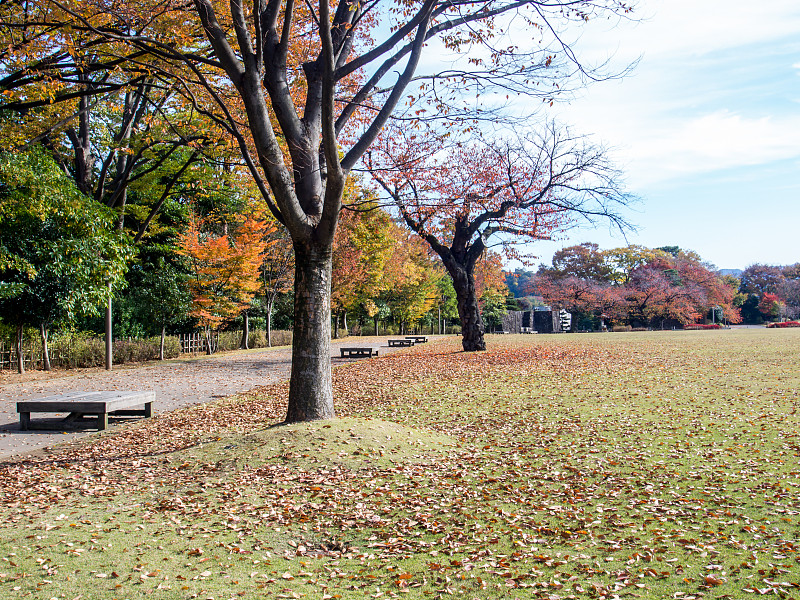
229	340
698	326
172	346
258	338
281	337
621	328
81	350
784	324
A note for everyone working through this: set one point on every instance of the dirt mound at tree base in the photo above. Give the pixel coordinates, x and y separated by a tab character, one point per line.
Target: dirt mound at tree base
350	442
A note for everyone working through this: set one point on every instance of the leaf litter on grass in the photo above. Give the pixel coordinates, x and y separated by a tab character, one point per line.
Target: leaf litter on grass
643	465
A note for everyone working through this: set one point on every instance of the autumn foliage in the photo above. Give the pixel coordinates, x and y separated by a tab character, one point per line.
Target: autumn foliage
783	324
225	267
465	195
636	285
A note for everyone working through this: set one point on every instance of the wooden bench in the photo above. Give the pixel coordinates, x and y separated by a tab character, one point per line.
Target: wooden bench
405	342
358	352
419	339
78	404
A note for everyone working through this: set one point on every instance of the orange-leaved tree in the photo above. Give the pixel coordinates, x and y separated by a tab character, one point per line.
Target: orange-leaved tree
225	264
490	280
637	285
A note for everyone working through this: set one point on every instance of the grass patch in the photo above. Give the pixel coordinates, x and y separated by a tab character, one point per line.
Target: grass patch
597	466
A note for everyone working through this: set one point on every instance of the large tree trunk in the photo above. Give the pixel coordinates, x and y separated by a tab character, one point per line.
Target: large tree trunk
310	390
18	348
468	310
45	350
245	343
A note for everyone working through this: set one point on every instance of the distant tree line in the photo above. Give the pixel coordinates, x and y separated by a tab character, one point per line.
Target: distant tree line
633	286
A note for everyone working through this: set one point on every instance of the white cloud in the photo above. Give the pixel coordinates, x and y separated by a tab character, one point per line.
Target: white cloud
711	142
680	28
701	100
689	107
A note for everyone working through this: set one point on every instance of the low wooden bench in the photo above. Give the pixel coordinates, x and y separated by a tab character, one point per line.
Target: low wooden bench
78	404
358	352
405	342
419	339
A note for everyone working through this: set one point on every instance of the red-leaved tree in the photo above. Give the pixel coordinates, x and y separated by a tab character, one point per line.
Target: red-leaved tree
480	194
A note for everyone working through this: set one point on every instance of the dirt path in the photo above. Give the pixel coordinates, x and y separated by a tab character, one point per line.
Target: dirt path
176	383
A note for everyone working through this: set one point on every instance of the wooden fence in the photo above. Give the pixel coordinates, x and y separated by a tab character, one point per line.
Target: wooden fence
31	356
194	343
61	356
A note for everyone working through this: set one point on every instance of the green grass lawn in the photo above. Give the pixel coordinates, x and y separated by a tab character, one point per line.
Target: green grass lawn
642	465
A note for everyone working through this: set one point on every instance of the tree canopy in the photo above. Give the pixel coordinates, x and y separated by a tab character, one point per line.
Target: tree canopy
60	255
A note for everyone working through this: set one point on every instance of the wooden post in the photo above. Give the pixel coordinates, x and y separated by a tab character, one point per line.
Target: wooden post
109	338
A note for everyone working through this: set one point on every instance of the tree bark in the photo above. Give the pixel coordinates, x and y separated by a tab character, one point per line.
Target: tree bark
45	350
18	348
161	347
310	390
245	343
269	323
209	350
468	309
336	326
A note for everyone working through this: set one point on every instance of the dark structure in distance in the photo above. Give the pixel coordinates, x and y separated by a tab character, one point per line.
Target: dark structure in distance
542	319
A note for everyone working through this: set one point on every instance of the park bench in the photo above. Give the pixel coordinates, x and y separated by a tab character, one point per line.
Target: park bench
97	404
418	339
358	352
404	342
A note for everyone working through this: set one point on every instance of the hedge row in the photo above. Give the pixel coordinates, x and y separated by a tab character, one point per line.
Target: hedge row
784	324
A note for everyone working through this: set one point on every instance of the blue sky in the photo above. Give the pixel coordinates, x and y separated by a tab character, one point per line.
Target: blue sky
707	127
